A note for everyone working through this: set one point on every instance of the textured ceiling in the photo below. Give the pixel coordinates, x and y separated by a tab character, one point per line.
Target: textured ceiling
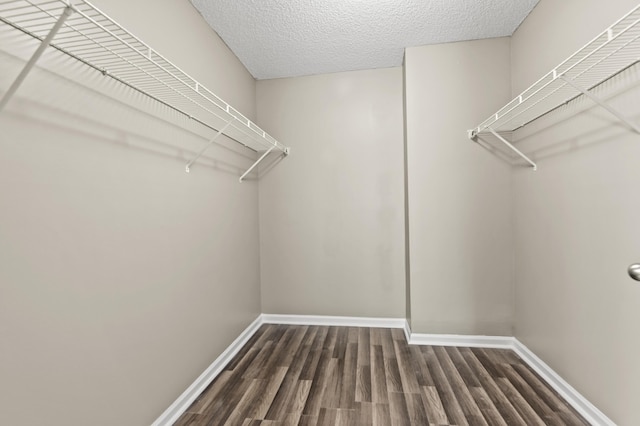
286	38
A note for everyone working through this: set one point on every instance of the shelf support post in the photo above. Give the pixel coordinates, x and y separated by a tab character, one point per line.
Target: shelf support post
211	141
256	163
34	58
516	150
602	103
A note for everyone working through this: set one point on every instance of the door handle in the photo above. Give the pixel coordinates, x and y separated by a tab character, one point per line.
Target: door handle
634	271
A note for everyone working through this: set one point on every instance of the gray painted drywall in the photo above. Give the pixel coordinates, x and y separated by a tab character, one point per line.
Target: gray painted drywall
459	193
121	277
577	226
331	215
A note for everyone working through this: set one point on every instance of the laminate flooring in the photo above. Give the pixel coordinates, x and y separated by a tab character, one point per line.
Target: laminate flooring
312	375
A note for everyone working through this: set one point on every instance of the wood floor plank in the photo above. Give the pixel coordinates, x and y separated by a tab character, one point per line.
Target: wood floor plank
433	406
488	362
388	350
423	376
346	417
398	334
333	383
188	419
381	415
527	413
375	336
568	414
241	409
284	397
364	413
469	407
255	342
348	389
547	415
291	351
256	367
327	416
294	410
353	335
416	409
363	384
233	390
209	395
363	367
463	369
379	393
261	405
488	409
279	352
364	355
316	375
398	409
320	379
392	374
342	338
500	401
406	367
449	401
306	420
332	337
309	368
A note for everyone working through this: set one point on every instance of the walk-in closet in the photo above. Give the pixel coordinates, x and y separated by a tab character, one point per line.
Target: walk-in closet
218	212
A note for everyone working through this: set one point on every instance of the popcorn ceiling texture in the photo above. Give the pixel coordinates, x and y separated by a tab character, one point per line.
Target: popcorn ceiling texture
286	38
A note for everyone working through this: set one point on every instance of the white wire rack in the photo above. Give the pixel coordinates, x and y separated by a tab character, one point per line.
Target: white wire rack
614	50
82	31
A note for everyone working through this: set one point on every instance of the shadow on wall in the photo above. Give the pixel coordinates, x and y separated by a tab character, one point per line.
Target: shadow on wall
84	102
576	125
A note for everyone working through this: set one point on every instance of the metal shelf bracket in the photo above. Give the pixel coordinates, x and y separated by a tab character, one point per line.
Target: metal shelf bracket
602	103
605	56
79	29
211	141
34	58
258	161
513	148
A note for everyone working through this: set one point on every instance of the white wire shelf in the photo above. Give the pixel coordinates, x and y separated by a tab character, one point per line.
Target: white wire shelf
611	52
90	36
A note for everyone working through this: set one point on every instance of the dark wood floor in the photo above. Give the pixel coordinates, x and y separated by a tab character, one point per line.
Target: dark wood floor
299	375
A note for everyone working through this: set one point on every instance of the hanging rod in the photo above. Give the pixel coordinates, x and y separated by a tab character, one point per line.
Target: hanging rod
93	38
615	49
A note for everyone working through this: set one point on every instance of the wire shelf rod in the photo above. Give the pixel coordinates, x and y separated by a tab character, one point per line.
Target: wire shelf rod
552	75
96	40
564	73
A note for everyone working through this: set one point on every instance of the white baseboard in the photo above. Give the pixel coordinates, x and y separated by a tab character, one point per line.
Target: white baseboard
183	402
407	331
572	396
334	321
589	411
468	341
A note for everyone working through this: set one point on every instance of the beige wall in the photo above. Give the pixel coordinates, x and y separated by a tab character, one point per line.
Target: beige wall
459	193
331	214
121	277
577	224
